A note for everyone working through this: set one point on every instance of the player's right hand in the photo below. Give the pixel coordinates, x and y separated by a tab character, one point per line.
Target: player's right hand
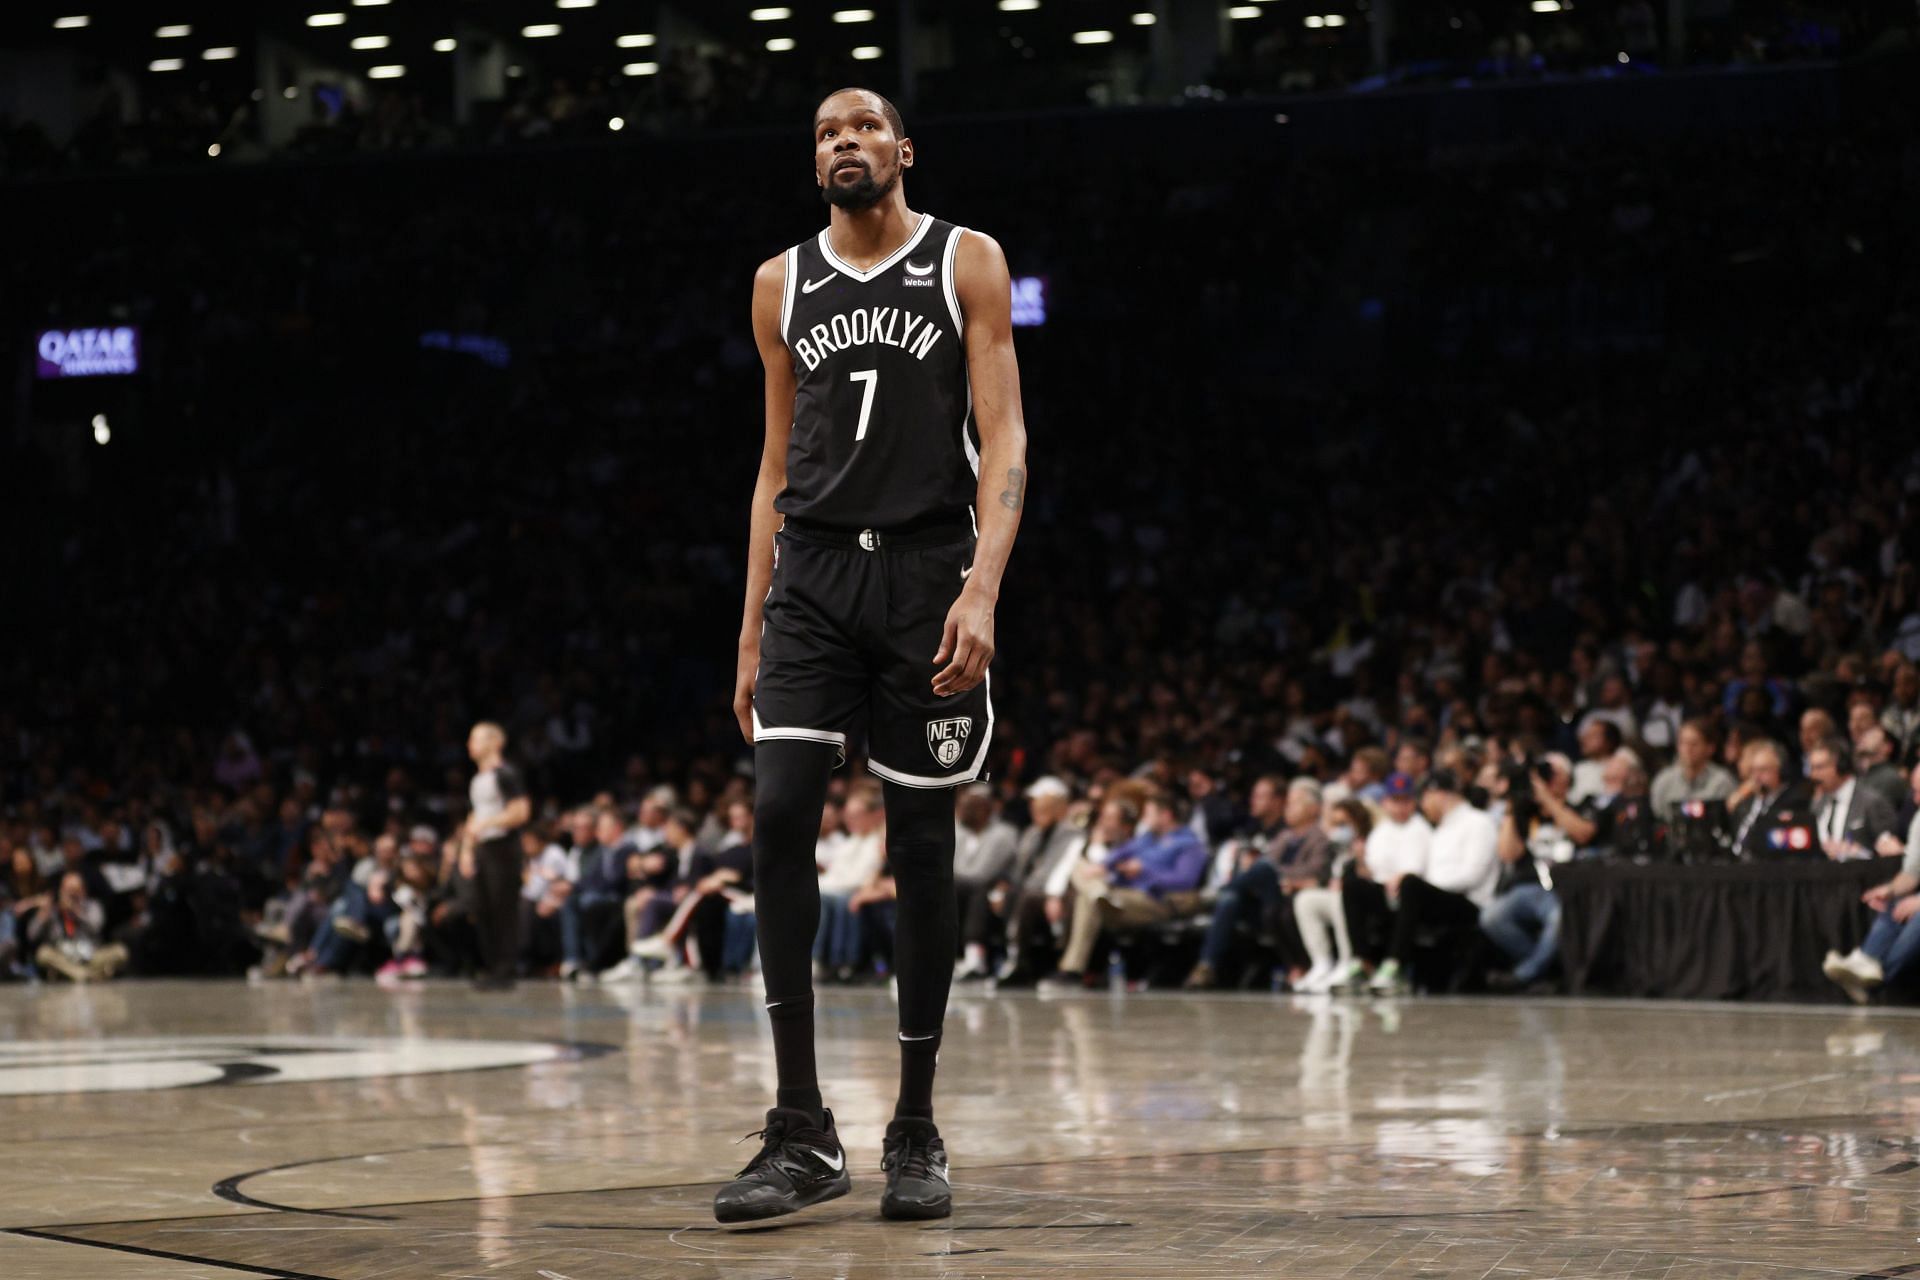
743	689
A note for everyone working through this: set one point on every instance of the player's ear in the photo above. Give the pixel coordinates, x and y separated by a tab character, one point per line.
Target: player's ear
906	153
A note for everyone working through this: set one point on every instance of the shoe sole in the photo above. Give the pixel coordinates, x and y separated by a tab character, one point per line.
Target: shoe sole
898	1211
747	1215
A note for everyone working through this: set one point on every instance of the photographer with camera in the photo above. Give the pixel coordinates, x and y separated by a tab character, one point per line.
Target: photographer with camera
1539	831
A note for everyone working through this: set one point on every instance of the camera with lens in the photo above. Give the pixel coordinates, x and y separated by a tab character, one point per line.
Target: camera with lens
1520	802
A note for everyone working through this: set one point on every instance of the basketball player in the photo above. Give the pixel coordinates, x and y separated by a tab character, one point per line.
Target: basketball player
894	471
490	854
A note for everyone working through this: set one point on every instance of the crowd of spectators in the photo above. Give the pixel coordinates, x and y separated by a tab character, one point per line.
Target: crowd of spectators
1535	450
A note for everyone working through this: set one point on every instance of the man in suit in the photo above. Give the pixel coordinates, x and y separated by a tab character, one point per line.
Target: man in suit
1849	817
1764	802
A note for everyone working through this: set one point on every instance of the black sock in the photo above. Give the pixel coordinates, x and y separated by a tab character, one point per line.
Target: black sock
918	1056
793	1057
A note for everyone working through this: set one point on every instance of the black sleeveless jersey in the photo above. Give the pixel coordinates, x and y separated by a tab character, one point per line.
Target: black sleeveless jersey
883	433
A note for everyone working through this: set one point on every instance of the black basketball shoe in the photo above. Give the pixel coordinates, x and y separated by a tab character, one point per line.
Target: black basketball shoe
800	1163
916	1168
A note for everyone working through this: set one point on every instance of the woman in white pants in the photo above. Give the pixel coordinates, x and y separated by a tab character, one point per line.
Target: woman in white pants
1320	910
1389	849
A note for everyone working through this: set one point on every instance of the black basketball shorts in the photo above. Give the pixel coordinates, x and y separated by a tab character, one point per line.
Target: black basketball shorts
851	625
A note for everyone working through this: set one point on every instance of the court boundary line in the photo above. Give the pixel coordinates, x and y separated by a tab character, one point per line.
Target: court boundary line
243	1268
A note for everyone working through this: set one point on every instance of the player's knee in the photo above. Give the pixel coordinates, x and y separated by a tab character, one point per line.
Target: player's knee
790	785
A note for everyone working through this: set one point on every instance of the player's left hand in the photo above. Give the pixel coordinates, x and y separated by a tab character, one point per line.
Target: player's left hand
966	646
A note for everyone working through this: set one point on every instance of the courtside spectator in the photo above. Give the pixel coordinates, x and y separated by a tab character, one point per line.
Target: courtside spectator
856	862
1693	775
1893	943
1444	903
67	937
1849	819
1298	858
1130	888
1043	867
984	848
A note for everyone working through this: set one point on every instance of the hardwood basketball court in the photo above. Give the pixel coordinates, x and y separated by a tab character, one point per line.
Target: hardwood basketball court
167	1131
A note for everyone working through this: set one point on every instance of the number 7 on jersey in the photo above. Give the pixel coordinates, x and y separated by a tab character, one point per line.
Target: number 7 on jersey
872	378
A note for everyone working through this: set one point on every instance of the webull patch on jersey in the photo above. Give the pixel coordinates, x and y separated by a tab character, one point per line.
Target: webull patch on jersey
948	738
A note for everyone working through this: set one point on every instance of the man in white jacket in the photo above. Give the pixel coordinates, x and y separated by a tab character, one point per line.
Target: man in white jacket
1463	866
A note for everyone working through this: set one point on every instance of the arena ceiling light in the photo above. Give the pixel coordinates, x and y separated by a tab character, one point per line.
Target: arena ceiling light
616	124
1548	6
780	44
844	16
390	71
225	53
1317	20
370	4
776	14
1144	19
326	19
1244	11
166	64
176	32
1093	37
446	44
1018	6
540	30
642	40
866	53
369	42
575	4
72	22
640	69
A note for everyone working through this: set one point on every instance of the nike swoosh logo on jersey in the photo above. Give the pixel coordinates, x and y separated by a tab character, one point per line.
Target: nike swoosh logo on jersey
835	1163
914	270
964	572
810	285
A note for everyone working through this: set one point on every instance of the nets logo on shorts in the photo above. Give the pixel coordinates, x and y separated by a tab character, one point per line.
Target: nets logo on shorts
948	738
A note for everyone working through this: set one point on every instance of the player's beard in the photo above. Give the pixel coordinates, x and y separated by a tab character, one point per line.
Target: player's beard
863	194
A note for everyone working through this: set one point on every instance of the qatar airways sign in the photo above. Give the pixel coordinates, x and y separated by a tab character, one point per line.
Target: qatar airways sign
87	353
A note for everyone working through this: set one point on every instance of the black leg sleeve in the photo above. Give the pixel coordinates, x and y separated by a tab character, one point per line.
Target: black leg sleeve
790	789
920	852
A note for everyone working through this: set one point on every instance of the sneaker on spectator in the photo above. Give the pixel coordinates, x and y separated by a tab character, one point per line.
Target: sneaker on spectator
674	974
1856	973
413	967
655	948
569	970
1202	978
389	974
350	929
628	970
1389	981
1347	973
1314	982
1012	976
275	933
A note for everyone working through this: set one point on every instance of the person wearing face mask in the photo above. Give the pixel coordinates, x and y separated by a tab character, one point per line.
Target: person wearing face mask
1396	847
1320	910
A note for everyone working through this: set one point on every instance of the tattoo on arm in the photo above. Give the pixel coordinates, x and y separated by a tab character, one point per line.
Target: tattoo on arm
1010	497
